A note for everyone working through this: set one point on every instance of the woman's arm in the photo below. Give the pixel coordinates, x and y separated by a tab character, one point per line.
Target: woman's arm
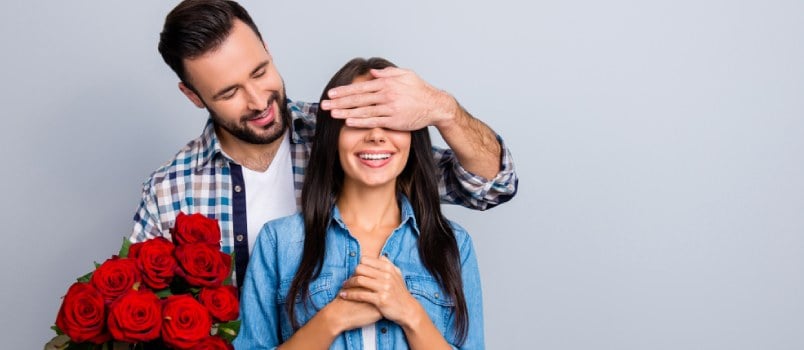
337	317
379	282
260	312
470	274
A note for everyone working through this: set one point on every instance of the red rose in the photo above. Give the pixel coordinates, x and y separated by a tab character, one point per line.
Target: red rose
196	228
155	260
82	315
203	265
213	343
115	277
135	317
221	302
186	321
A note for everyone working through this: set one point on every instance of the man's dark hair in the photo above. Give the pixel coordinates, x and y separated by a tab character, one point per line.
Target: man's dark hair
195	27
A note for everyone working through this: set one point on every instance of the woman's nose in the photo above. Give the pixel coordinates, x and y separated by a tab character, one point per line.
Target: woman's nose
376	135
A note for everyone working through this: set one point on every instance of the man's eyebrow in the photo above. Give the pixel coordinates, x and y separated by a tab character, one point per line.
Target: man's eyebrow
223	91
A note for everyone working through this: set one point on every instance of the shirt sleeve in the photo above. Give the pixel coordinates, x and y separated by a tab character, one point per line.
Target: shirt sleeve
259	313
458	186
470	274
146	219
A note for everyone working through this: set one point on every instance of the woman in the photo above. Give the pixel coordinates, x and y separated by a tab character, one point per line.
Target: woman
371	262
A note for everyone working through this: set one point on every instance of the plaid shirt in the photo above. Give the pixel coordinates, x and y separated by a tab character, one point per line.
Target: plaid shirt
202	179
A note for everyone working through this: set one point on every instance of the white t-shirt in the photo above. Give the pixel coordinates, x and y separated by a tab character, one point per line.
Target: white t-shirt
369	337
270	194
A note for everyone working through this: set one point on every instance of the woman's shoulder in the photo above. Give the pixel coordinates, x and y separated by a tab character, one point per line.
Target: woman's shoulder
461	235
286	228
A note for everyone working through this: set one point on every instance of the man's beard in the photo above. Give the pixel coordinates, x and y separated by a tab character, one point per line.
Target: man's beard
243	132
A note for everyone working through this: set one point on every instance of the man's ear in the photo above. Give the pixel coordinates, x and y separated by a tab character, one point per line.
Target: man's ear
194	98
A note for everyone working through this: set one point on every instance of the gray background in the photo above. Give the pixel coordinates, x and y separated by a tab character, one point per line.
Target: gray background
659	146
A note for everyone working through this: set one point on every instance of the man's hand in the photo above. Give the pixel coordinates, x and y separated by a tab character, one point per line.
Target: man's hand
397	99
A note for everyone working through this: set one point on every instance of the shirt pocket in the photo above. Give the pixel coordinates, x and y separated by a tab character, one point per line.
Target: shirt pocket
438	305
320	294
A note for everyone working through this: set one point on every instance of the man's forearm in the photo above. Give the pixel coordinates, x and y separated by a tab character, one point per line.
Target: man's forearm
474	143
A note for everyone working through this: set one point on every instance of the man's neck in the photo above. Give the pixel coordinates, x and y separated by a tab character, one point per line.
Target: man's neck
255	157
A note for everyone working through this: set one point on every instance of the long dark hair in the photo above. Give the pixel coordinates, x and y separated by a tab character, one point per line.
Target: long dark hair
323	181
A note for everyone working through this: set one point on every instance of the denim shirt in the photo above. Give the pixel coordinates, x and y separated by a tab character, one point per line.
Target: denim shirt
276	257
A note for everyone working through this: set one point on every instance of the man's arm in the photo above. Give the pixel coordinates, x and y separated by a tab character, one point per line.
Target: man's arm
483	172
398	99
146	219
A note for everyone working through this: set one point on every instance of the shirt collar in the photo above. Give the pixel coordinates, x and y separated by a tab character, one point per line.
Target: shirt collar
210	147
302	122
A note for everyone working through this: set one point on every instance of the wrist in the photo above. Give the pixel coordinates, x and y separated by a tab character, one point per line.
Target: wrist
447	111
332	323
414	319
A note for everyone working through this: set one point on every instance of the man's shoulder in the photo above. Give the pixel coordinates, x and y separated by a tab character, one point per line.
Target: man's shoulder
187	158
302	110
302	116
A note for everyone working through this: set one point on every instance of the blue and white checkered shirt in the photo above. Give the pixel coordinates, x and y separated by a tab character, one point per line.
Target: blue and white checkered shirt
202	179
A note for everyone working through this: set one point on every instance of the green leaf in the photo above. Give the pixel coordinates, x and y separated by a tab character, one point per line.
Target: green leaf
85	278
81	346
60	342
124	248
56	329
229	330
228	280
96	264
164	293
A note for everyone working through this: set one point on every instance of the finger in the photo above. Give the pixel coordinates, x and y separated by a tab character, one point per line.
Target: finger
359	296
369	283
355	88
363	112
396	268
388	72
368	271
355	100
382	263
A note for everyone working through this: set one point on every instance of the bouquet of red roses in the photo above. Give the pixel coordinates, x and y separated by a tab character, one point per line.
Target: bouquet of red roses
155	294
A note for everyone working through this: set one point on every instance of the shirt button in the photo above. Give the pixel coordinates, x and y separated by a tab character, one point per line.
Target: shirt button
383	330
436	295
239	238
238	188
385	254
352	254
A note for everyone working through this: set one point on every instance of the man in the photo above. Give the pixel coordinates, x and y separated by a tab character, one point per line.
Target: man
248	165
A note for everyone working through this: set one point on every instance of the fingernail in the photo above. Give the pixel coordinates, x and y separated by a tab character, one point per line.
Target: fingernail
325	104
337	113
342	294
332	93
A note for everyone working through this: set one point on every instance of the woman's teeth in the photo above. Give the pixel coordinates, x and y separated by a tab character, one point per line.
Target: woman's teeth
374	156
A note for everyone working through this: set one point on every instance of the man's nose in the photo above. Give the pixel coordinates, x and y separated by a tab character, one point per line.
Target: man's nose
256	100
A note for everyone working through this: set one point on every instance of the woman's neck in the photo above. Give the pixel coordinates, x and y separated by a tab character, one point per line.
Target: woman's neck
370	213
